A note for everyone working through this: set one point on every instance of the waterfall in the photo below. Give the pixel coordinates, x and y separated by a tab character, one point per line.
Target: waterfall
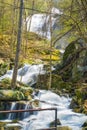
12	115
27	106
20	105
27	74
40	23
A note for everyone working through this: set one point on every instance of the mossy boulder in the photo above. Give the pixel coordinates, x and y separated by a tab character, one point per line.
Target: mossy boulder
21	92
11	95
12	126
52	124
68	51
63	128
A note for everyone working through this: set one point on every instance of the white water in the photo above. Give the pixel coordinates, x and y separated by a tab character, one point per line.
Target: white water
27	74
40	23
66	115
13	107
42	119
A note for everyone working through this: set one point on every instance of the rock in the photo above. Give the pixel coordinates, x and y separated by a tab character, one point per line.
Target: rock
52	124
84	126
11	95
13	126
63	128
74	104
21	92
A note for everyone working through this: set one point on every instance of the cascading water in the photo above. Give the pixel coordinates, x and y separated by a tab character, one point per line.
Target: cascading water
47	99
27	74
40	23
12	115
66	116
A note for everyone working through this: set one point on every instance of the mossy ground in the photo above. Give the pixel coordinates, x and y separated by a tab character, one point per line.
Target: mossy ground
34	49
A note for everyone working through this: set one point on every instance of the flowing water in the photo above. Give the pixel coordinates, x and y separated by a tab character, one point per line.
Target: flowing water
48	99
64	114
10	115
27	74
40	23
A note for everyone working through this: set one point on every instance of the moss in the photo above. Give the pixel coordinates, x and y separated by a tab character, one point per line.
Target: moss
79	101
3	68
5	83
36	48
21	92
69	50
64	128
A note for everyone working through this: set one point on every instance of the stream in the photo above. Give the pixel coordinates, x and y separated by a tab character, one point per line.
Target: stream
48	99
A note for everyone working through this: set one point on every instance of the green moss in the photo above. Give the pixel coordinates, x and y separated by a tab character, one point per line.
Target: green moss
69	50
5	83
63	128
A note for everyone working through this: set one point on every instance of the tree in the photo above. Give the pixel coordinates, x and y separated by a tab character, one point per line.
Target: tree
13	84
73	19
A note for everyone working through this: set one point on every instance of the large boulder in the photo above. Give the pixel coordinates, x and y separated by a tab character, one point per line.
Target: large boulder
74	64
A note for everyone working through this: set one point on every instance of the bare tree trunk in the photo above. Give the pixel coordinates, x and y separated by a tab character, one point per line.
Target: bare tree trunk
14	78
50	79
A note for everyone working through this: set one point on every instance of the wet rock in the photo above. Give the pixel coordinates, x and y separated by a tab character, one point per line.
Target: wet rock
74	104
52	124
84	126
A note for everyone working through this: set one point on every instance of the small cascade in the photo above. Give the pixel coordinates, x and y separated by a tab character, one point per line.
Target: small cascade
12	115
21	105
40	23
27	74
27	106
43	118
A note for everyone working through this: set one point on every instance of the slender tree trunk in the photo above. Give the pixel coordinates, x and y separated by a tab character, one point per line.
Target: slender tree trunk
14	78
50	79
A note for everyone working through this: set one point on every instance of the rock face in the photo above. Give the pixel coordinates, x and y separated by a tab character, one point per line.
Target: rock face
74	65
